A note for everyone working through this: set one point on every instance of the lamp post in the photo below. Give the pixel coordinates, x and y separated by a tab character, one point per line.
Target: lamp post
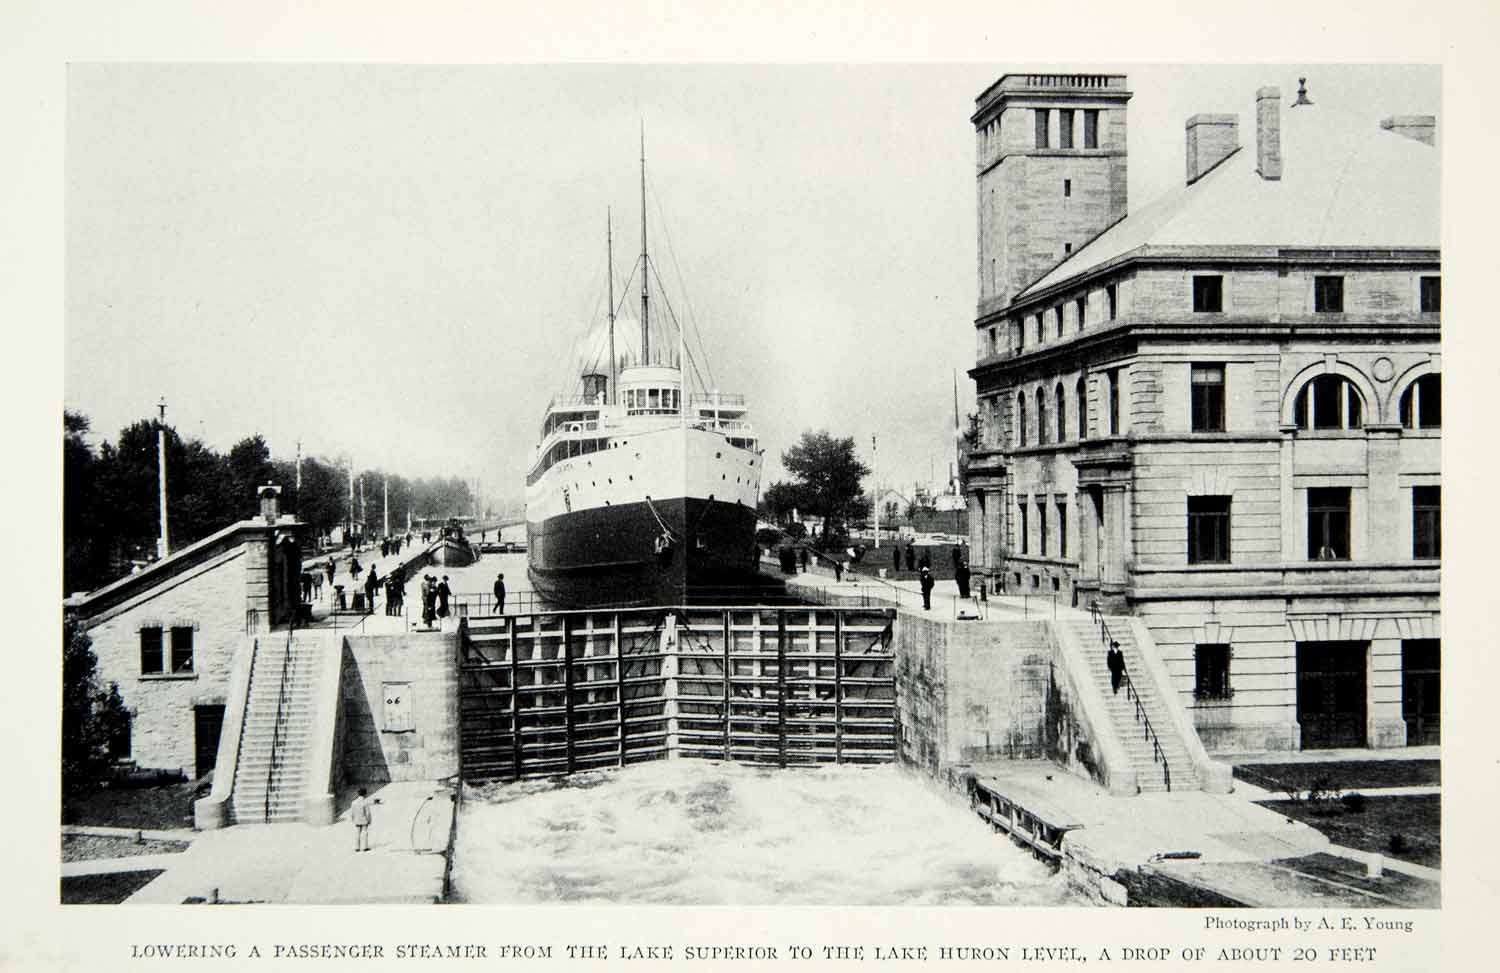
875	462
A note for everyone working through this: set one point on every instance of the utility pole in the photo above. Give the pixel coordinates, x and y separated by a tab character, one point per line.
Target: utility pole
299	467
875	461
163	545
350	532
385	494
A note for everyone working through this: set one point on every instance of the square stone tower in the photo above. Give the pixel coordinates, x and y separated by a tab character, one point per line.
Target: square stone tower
1051	173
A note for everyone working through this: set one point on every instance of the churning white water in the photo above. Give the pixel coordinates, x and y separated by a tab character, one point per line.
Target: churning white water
690	832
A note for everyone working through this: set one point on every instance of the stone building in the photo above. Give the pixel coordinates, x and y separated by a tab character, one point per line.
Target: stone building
167	635
1220	412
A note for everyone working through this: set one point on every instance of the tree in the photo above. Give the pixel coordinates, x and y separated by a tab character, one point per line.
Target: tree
92	716
828	476
85	546
779	500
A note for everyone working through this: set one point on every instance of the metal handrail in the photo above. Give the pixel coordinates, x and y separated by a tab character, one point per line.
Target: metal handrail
276	741
1158	754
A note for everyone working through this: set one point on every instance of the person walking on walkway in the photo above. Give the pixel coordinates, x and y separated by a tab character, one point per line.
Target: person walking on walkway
838	570
372	585
1115	660
896	557
927	584
500	594
359	813
317	583
330	569
911	558
961	576
429	600
802	558
443	591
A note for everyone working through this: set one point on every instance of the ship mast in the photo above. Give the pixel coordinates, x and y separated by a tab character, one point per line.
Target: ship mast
645	269
609	246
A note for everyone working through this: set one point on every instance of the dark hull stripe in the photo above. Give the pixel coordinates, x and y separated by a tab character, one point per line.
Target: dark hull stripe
608	555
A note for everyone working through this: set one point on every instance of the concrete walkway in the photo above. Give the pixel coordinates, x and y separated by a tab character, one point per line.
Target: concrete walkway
866	586
1123	832
307	864
1238	848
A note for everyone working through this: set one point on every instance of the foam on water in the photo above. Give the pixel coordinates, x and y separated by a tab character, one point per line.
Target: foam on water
691	832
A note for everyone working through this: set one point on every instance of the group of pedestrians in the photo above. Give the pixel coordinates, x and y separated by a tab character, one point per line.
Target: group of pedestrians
435	595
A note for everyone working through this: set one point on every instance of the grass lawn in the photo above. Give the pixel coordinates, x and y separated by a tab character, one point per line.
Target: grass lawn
163	807
81	848
105	889
1417	819
1343	775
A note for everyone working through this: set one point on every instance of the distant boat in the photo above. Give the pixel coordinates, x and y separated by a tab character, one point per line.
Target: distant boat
452	549
642	493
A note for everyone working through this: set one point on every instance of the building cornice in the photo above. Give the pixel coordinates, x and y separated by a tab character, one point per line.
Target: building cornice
1273	257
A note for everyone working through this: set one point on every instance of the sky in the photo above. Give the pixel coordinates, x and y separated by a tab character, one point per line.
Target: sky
395	263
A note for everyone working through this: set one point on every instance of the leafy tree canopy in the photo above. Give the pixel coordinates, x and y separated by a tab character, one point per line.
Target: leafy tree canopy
827	477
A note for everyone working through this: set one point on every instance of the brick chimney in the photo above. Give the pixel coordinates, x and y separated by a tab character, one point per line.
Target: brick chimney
270	502
1268	132
1421	128
1210	139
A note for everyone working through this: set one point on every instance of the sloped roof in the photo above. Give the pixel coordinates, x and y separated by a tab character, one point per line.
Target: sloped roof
179	561
1345	182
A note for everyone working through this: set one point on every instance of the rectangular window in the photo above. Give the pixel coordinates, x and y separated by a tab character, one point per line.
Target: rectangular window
151	658
1111	295
1208	398
1041	528
1426	522
1328	294
1062	528
1065	128
1067	188
1432	294
1208	530
182	649
1057	312
1041	127
1024	534
1091	128
1328	524
1211	668
1208	293
1081	306
1114	401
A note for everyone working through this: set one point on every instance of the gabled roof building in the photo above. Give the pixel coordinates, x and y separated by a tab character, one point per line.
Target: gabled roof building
1222	411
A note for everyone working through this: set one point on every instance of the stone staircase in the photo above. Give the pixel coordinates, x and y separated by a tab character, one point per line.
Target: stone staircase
270	781
1131	731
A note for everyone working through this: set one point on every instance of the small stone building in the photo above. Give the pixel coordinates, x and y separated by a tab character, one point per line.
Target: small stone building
167	634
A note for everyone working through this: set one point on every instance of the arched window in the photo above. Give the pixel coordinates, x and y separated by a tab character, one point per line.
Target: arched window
1082	397
1328	402
1062	413
1020	418
1422	403
1041	416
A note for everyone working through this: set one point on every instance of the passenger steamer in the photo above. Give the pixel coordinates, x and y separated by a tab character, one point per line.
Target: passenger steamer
642	492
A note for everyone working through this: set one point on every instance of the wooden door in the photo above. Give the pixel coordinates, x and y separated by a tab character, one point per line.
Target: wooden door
1421	670
208	724
1331	694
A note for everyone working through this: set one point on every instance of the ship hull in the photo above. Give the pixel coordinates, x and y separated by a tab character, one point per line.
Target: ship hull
453	554
620	555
